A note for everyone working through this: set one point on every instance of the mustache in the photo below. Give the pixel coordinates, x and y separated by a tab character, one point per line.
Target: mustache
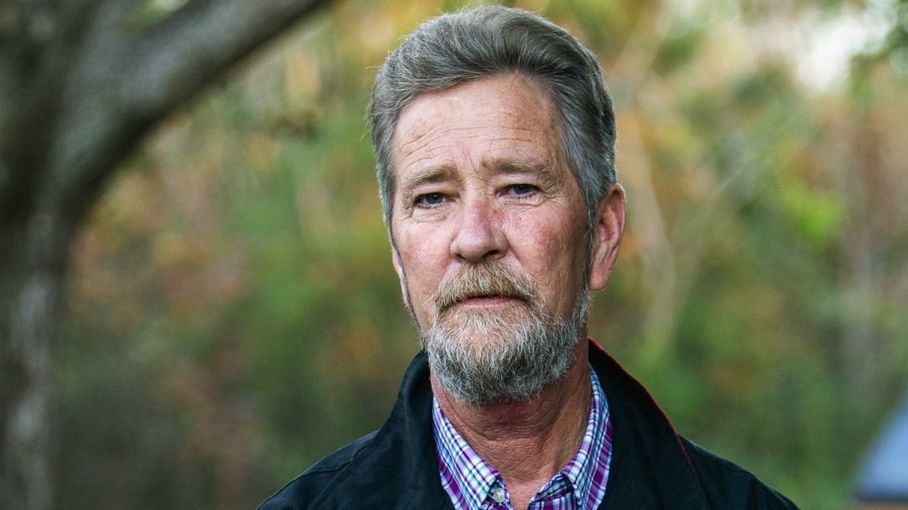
482	281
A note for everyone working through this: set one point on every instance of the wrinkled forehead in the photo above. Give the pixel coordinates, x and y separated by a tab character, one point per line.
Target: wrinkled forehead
503	114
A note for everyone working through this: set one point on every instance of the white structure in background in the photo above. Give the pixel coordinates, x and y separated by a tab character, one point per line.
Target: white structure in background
882	483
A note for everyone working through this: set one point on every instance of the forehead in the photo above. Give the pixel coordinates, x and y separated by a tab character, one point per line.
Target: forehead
497	117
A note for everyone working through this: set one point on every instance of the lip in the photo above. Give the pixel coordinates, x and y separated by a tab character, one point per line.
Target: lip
488	301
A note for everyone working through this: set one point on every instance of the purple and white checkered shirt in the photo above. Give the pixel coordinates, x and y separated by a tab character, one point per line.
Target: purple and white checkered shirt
473	484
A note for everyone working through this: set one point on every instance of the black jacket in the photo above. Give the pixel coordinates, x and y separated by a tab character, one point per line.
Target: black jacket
652	466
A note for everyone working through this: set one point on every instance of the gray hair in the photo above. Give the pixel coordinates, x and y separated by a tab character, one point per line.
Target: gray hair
457	47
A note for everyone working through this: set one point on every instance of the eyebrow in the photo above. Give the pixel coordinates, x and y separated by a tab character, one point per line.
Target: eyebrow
436	174
507	166
428	175
541	168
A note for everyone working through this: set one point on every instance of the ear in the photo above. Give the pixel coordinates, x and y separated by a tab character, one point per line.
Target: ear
402	278
608	231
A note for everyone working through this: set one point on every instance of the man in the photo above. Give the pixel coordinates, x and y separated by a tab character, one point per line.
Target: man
494	140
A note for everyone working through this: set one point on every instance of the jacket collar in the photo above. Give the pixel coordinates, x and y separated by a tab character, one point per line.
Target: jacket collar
651	467
398	468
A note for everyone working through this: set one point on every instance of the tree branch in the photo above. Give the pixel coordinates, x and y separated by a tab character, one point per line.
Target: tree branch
199	42
126	81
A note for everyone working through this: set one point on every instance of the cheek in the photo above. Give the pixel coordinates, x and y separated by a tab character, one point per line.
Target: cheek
545	245
552	252
422	260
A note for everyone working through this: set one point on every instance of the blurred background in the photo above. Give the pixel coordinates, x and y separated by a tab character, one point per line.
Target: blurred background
232	315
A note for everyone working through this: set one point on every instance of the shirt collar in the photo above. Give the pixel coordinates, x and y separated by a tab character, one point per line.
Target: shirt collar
470	481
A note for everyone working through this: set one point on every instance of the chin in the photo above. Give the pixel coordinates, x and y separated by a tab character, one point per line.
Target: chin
483	358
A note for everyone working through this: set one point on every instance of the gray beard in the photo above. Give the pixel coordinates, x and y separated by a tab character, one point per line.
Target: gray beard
482	357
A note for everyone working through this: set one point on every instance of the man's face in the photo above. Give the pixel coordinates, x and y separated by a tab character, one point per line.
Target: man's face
488	222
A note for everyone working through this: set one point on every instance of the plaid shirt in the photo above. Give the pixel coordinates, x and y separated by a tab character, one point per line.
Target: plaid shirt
473	484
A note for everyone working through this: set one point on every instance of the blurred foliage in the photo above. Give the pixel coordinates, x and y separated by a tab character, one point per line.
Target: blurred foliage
233	314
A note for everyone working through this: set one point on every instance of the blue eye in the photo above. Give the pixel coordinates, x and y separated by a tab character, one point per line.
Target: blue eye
521	189
430	199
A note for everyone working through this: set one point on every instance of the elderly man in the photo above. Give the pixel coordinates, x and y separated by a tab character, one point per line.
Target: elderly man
494	139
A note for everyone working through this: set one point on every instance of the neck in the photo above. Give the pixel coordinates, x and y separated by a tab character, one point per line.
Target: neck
547	429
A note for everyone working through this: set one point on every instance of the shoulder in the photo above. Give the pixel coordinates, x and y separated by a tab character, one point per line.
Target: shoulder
727	485
306	488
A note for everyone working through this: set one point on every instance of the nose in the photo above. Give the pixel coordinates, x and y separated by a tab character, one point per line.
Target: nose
480	236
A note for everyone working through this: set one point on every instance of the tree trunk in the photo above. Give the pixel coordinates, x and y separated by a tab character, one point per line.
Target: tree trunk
32	267
80	82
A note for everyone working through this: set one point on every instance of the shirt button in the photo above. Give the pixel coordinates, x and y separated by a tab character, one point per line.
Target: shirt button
498	494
